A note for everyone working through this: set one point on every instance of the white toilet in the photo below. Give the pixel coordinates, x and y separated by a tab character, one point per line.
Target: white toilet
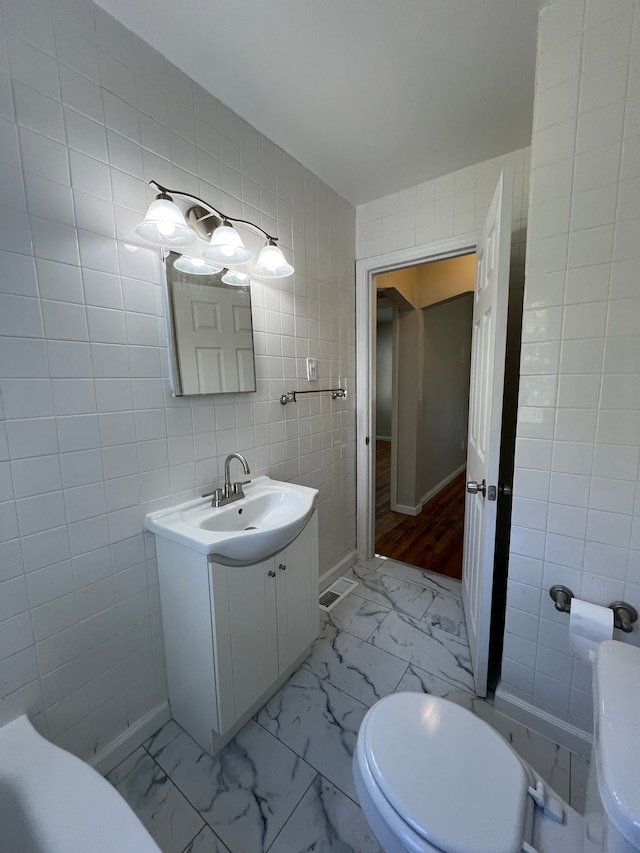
431	776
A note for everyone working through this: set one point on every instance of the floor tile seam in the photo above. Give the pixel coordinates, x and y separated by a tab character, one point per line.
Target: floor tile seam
291	749
380	649
281	830
342	690
280	741
405	581
460	688
415	569
435	590
306	760
439	675
378	626
338	788
362	598
204	825
388	607
446	593
463	637
360	640
404	614
355	636
395	608
205	822
126	758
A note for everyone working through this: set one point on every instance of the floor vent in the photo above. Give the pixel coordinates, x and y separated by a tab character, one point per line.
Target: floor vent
333	594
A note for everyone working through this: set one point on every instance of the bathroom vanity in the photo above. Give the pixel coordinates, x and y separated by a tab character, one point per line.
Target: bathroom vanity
234	633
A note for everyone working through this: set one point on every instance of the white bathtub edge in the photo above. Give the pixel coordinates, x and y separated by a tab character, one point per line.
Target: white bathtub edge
124	744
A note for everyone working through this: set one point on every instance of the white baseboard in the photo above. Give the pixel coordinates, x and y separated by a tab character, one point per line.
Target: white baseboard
328	577
124	744
541	721
406	510
383	438
416	510
440	486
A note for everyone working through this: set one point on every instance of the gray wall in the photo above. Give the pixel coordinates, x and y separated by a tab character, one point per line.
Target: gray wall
410	344
445	409
384	378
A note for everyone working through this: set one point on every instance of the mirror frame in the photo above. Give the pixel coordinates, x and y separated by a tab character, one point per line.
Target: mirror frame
175	370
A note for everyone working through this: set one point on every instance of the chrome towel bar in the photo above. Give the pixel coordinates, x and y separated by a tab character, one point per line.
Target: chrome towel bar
291	396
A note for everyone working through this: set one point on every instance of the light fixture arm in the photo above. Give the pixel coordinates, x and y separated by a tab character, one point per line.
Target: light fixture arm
213	211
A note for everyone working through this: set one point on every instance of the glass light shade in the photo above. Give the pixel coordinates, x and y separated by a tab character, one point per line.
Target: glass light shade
271	263
241	279
196	266
164	225
226	247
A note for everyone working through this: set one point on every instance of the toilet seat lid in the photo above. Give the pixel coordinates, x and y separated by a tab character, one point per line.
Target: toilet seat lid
447	773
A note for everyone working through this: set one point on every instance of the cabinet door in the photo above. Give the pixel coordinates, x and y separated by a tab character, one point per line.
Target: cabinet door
246	641
297	595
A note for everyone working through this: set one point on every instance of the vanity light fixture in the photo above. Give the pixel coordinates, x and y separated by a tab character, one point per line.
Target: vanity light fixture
226	246
241	279
167	226
271	262
196	266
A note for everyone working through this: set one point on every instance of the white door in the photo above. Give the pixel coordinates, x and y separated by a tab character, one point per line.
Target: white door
214	337
485	422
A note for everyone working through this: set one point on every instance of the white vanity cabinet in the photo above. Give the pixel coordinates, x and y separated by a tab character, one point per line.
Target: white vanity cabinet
233	634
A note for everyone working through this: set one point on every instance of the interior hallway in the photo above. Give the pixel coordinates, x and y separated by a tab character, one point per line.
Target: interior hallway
431	540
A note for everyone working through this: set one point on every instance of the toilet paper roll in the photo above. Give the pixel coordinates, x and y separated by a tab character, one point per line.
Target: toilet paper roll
589	625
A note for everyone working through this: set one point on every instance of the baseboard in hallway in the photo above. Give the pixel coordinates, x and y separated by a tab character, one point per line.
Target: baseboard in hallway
432	539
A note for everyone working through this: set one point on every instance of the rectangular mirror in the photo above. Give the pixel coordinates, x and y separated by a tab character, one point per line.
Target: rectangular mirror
210	333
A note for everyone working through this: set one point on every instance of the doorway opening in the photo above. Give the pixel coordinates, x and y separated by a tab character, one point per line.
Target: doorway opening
423	355
492	417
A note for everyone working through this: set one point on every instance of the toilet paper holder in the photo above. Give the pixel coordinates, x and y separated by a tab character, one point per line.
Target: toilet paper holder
624	615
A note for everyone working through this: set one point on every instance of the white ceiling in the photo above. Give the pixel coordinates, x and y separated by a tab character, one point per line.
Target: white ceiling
371	95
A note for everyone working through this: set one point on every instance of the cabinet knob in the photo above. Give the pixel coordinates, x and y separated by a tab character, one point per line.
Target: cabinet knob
272	574
282	567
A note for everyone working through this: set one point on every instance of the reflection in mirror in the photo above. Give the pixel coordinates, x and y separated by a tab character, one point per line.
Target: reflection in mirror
210	333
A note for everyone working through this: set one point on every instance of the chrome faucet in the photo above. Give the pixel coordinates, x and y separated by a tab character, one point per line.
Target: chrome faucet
228	492
237	487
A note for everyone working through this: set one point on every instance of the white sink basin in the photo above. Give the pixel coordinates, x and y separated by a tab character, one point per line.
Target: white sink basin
249	530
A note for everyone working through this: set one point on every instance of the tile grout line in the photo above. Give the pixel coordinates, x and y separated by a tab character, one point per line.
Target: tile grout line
205	823
281	830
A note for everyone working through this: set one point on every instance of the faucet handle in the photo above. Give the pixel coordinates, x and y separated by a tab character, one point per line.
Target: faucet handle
237	486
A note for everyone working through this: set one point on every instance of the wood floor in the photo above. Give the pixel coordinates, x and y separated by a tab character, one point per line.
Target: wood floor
431	540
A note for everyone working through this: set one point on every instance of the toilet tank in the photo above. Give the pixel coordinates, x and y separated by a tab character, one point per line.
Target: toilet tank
612	810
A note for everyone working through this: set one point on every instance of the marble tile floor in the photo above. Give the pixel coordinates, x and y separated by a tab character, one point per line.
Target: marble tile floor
284	783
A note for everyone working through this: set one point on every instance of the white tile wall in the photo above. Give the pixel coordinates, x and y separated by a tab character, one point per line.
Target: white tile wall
445	207
90	438
581	344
